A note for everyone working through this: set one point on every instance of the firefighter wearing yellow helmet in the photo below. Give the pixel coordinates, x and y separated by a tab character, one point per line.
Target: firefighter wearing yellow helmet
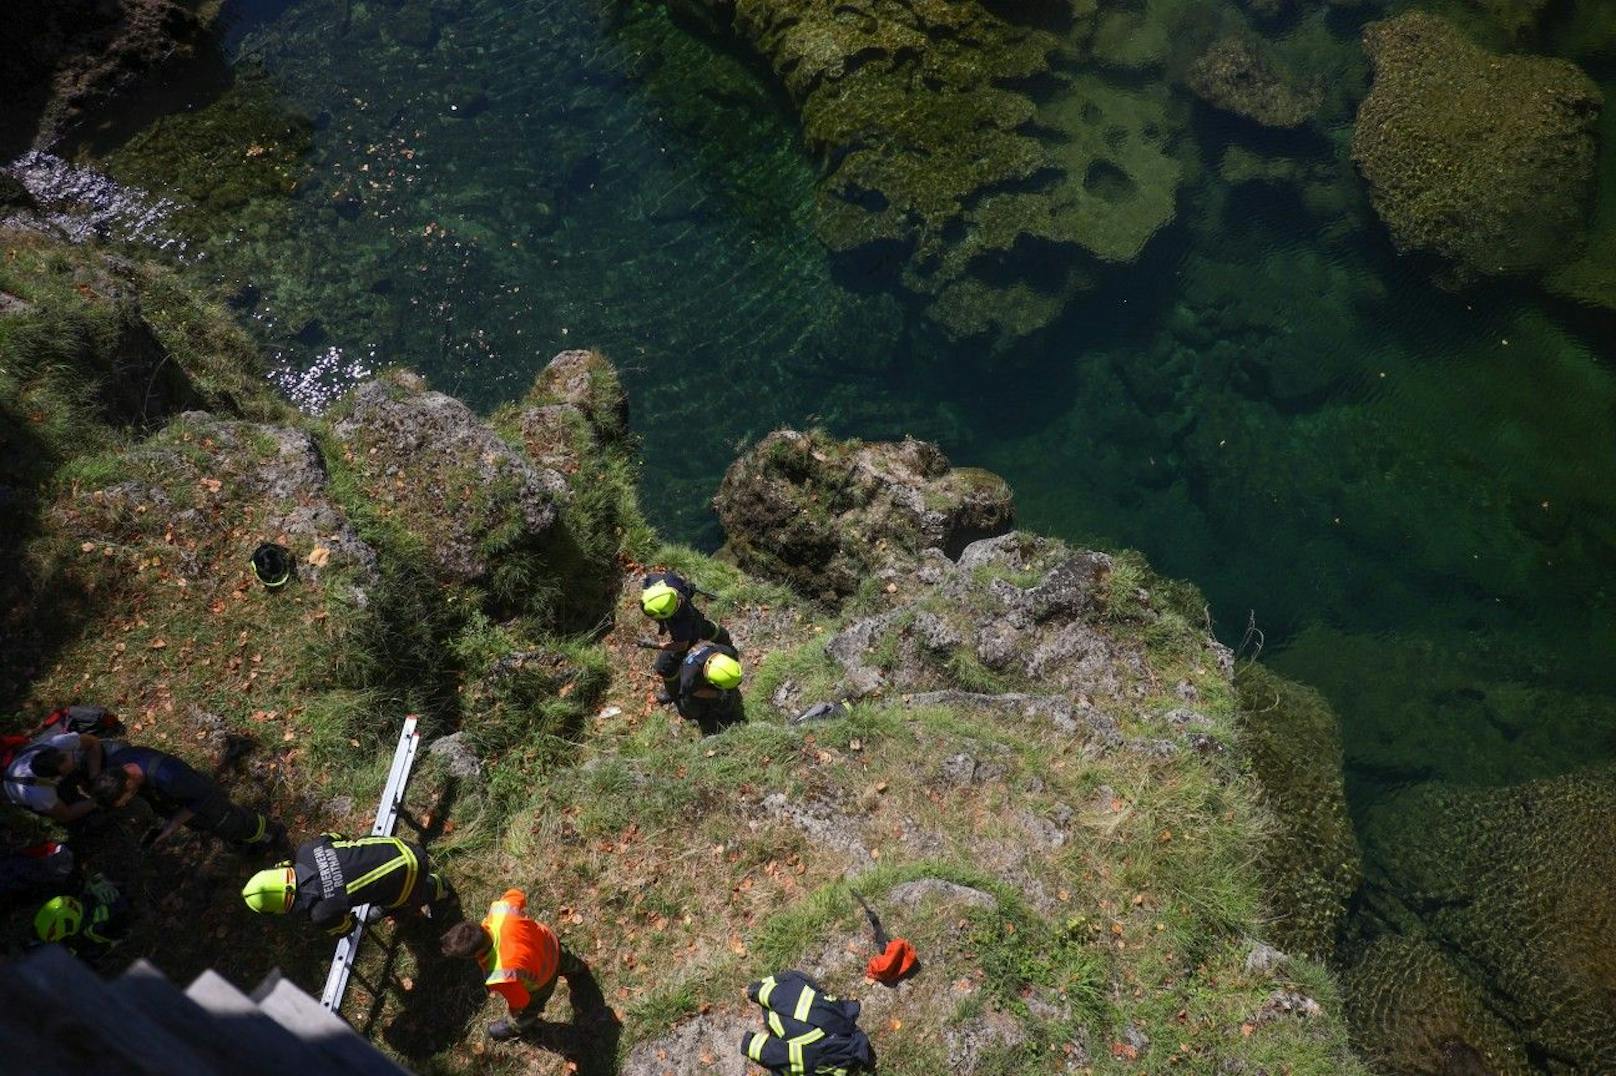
670	600
709	687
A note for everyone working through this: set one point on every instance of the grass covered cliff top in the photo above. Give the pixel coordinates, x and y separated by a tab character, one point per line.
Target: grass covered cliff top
1047	775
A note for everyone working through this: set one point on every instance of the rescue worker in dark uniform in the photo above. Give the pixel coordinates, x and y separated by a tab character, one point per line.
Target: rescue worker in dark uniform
90	922
670	600
331	875
707	689
181	797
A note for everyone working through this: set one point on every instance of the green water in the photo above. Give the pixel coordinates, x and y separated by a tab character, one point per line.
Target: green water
1411	493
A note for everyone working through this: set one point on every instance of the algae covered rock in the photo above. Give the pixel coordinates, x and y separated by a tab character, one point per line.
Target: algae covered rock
1311	860
1484	160
1237	76
822	514
428	463
937	158
1513	884
1412	1010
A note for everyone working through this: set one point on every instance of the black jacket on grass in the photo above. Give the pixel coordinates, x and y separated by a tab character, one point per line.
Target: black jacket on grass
810	1032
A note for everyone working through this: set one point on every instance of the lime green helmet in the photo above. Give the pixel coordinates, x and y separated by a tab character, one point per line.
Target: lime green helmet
722	671
60	918
659	601
269	892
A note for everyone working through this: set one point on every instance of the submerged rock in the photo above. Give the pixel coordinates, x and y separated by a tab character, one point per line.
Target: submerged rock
1411	1010
936	158
823	514
1236	76
1293	740
1484	160
1512	886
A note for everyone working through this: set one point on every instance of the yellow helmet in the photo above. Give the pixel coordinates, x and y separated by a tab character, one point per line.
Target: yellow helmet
722	671
269	892
659	601
60	918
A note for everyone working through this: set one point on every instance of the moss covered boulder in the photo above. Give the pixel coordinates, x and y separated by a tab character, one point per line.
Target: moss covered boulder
576	403
573	428
937	159
1412	1010
431	467
1511	885
822	514
1293	740
1236	75
1484	160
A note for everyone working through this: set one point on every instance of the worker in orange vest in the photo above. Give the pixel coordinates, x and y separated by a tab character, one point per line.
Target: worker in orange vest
521	960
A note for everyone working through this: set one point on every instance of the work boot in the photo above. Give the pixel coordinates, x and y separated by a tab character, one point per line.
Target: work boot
664	696
503	1031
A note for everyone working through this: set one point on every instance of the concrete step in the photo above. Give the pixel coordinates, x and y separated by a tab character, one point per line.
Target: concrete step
217	1020
88	1028
306	1018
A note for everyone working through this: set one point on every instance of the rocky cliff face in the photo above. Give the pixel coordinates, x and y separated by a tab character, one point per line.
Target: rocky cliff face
64	62
1041	774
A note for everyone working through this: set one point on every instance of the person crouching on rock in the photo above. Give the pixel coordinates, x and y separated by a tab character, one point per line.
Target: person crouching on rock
709	687
330	876
521	960
181	797
669	600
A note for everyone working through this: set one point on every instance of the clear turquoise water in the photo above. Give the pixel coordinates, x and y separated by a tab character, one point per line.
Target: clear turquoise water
1412	493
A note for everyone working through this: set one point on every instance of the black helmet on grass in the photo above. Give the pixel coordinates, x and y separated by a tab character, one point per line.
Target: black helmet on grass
273	565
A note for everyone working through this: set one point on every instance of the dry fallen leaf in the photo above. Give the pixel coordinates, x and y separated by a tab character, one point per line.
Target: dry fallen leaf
158	644
319	555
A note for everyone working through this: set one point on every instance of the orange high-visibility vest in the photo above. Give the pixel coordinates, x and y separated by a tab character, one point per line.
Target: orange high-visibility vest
525	956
